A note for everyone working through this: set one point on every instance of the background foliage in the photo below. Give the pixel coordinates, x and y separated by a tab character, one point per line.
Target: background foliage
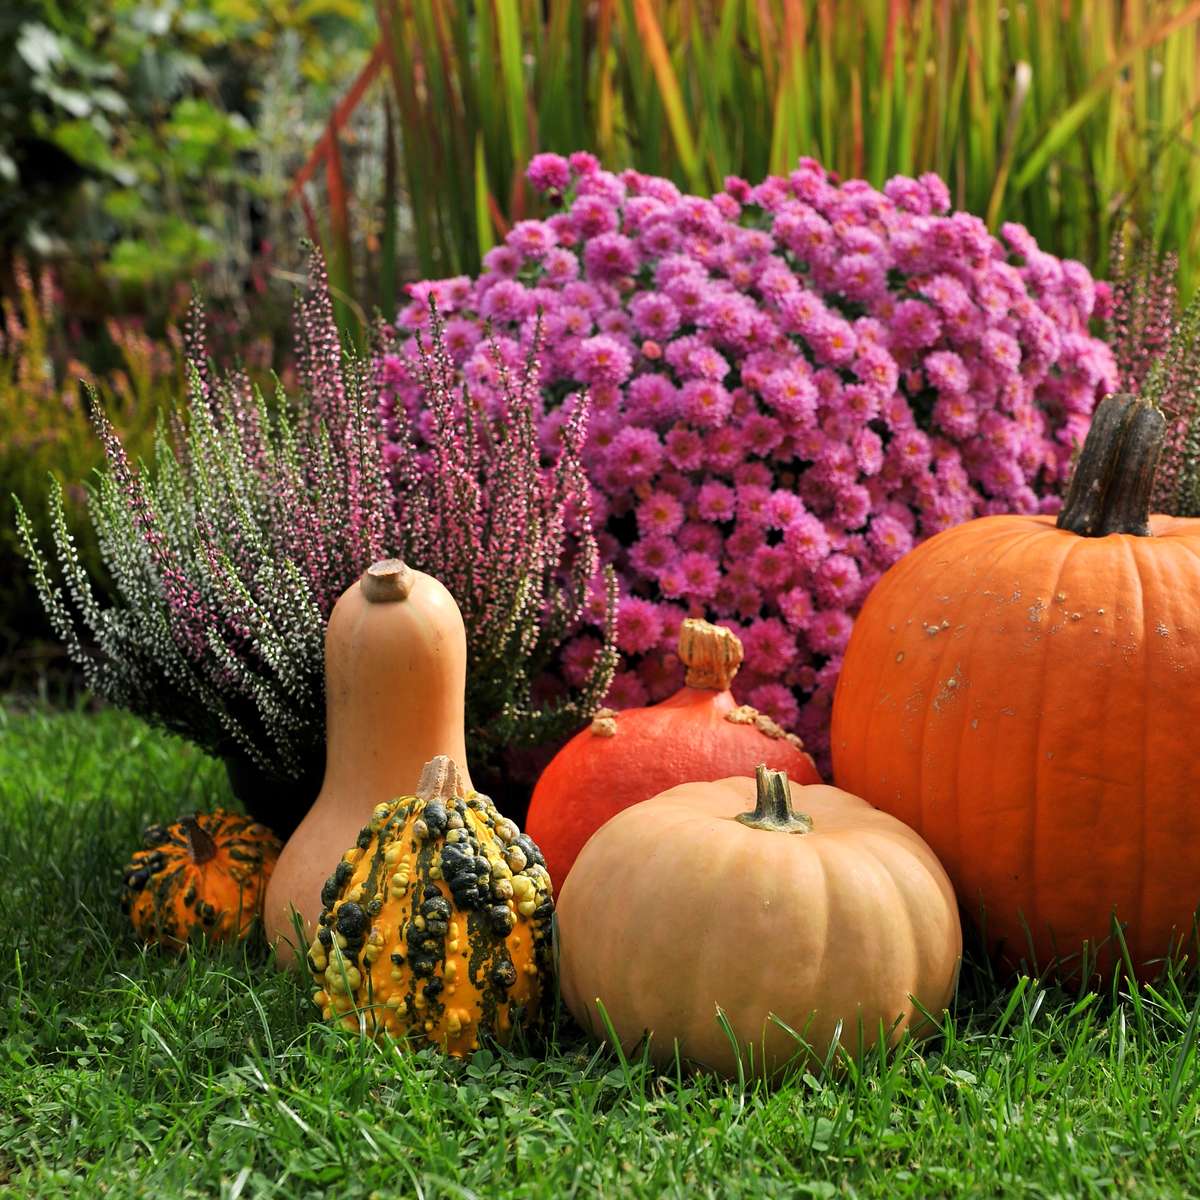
143	141
1065	116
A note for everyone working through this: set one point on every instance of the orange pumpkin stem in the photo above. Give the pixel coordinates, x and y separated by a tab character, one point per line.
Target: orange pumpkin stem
1110	490
201	845
711	653
773	805
386	581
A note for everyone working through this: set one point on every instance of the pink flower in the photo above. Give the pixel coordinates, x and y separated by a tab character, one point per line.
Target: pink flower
716	502
548	171
685	448
602	359
828	631
651	555
705	403
769	646
654	315
837	581
578	657
660	513
806	540
639	625
635	454
796	606
532	239
626	691
772	568
610	255
779	703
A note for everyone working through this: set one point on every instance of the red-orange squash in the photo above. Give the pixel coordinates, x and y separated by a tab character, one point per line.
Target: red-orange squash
203	873
625	757
1023	693
721	897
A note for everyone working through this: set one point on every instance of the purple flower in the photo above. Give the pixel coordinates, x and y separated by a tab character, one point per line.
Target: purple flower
610	255
602	359
548	171
716	502
792	383
660	513
634	454
705	403
639	625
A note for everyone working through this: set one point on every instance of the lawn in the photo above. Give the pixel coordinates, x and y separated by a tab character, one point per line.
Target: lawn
131	1074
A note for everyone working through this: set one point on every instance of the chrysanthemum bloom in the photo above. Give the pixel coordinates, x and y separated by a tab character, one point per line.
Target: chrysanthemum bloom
793	383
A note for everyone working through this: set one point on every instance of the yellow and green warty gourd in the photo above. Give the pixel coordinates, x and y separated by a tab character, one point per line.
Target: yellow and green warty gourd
436	926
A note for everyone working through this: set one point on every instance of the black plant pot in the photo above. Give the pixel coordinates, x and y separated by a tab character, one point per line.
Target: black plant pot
276	802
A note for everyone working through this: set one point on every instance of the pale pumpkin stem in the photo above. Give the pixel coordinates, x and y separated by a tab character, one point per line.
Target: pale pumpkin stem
1110	490
711	653
201	845
387	580
439	780
773	805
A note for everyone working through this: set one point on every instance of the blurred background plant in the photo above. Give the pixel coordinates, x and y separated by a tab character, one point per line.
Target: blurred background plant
143	142
44	428
1067	117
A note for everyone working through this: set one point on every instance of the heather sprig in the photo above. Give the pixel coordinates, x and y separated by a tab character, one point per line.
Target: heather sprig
1157	350
791	384
510	536
228	553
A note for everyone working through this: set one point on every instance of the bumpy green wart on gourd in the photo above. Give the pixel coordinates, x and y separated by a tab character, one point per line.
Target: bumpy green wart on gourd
436	924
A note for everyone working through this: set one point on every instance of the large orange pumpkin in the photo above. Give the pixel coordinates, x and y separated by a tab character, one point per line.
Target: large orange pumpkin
836	922
622	758
1022	692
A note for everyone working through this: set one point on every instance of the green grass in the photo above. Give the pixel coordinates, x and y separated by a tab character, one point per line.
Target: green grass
131	1074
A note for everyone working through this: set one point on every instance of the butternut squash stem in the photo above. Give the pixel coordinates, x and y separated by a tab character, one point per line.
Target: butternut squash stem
773	805
201	845
1110	490
387	581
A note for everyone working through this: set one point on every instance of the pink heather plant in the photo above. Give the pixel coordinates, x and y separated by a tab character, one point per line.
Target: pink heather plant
791	385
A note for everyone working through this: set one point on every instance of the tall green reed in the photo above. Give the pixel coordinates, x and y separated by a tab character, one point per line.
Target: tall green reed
1066	115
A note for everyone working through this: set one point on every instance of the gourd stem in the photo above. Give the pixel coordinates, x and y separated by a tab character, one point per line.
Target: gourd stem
386	581
1110	490
201	845
773	805
439	780
711	653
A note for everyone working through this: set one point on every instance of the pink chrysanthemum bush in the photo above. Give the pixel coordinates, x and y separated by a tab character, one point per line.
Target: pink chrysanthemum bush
791	384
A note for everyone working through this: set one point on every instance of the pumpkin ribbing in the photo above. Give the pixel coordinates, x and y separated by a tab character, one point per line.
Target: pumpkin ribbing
1020	690
679	909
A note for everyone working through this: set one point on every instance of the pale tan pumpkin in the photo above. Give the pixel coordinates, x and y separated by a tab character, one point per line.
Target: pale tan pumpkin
689	902
395	686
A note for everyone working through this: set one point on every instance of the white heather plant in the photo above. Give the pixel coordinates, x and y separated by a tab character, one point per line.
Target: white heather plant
227	556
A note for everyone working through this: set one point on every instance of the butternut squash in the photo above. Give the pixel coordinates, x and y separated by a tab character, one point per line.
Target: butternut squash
395	688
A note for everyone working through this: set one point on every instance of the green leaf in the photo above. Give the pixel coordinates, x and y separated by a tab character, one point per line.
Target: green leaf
39	47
